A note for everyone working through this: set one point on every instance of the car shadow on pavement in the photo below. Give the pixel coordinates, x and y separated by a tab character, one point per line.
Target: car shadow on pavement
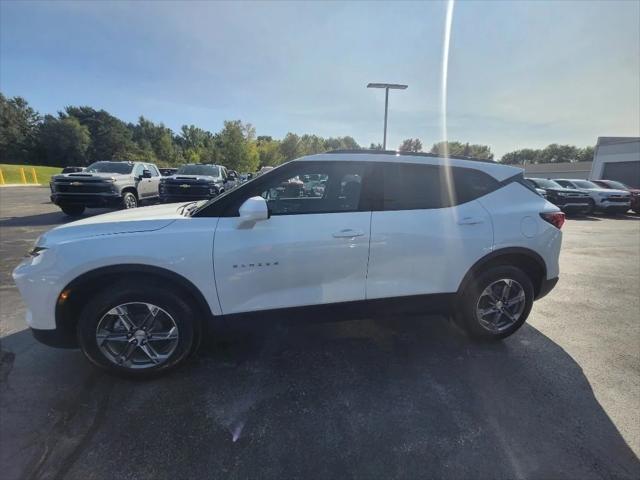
45	219
408	398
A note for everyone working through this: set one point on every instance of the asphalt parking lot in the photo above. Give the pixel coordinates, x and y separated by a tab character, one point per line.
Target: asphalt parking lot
401	398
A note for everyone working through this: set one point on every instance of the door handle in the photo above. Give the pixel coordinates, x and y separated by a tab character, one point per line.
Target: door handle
470	221
348	233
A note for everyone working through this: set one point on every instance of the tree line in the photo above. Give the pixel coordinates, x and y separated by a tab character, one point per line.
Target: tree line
80	135
83	135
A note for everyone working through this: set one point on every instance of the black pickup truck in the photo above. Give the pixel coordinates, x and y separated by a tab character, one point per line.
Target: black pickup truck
195	182
568	200
105	184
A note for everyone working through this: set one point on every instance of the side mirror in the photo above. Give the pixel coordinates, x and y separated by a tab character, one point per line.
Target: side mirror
146	174
253	210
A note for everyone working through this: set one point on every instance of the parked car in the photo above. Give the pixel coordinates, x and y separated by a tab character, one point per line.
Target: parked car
194	182
614	185
604	199
387	237
167	172
72	169
105	184
569	200
245	177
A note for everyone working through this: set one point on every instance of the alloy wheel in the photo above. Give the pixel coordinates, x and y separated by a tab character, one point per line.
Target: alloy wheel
501	305
137	335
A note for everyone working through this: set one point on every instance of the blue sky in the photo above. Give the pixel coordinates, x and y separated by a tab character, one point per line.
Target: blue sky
522	74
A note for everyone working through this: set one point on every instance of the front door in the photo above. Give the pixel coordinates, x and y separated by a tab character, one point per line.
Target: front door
312	250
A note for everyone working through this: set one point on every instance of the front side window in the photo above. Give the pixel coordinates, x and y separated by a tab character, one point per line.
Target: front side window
319	189
153	170
297	188
137	171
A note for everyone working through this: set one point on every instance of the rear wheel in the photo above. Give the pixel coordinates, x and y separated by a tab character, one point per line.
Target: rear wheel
73	210
136	330
592	207
496	303
129	200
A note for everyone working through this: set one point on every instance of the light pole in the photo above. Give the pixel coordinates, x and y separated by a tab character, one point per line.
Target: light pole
386	86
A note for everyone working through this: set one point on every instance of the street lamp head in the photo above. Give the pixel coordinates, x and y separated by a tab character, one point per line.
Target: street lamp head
395	86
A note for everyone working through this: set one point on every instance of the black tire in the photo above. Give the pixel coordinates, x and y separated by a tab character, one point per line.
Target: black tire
592	207
466	315
73	210
185	319
129	200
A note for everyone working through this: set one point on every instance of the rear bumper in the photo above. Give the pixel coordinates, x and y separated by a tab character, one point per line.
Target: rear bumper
546	286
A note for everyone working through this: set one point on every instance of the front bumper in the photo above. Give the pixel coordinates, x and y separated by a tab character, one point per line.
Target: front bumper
616	206
172	198
55	338
86	199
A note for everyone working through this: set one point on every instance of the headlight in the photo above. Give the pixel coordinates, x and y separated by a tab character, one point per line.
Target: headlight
562	194
603	194
110	179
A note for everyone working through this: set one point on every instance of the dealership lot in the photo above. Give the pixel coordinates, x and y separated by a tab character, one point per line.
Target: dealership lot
403	397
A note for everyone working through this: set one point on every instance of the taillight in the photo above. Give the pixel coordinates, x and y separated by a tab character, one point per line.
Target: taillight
554	218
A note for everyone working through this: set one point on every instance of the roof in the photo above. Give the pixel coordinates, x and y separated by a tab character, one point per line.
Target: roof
616	140
497	170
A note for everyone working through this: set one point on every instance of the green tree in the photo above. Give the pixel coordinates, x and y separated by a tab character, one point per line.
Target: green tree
289	146
454	148
238	146
375	146
269	152
111	139
63	141
411	145
18	130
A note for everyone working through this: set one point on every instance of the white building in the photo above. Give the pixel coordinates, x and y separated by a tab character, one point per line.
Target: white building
580	170
617	158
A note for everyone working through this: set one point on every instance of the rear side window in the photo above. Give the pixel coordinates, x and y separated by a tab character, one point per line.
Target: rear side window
411	186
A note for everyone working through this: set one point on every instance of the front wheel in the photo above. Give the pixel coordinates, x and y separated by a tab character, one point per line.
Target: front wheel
495	303
137	330
129	200
73	210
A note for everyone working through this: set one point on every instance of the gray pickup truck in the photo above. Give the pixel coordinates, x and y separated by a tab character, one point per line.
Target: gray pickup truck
105	184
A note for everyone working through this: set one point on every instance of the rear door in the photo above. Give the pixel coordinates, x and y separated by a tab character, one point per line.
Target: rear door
424	235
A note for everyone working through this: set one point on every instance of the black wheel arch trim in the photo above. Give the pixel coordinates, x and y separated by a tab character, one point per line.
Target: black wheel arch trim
502	252
64	324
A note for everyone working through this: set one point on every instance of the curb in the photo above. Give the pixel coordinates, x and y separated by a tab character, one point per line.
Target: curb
22	185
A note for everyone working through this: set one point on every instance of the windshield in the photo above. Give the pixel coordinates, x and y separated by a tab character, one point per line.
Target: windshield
208	170
110	167
614	184
585	184
544	183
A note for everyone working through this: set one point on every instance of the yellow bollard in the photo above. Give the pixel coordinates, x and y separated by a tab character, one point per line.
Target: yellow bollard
1	177
22	175
33	174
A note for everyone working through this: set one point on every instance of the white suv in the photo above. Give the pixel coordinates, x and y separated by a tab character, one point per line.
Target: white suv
333	236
